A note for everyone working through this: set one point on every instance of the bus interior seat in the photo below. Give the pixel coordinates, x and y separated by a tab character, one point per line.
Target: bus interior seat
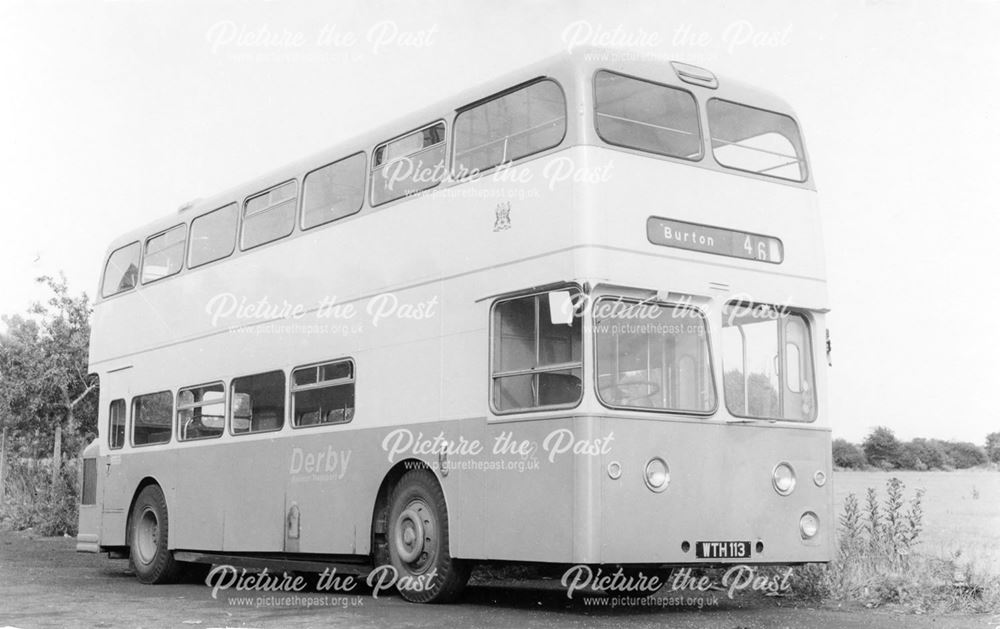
266	419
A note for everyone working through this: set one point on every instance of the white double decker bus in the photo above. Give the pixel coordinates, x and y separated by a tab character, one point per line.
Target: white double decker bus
572	316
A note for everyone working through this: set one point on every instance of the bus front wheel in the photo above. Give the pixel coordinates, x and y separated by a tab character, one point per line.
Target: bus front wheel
149	556
418	541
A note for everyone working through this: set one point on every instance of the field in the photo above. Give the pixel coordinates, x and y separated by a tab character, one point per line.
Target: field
962	511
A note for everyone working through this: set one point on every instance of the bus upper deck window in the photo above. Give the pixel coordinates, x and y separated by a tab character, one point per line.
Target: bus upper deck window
756	140
408	164
269	216
164	254
511	126
122	270
333	191
647	116
213	235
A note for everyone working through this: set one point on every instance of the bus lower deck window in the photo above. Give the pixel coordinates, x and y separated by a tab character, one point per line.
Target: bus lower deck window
152	418
258	403
323	394
537	362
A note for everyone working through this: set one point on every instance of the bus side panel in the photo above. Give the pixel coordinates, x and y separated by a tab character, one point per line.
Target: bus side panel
122	478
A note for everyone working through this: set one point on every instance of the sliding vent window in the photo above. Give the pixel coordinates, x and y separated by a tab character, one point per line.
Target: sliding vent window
259	403
213	235
409	164
756	140
269	216
201	412
536	353
334	191
647	116
122	270
164	254
653	356
767	363
509	127
152	418
323	394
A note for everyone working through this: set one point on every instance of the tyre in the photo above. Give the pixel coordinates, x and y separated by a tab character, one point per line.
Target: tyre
149	557
418	541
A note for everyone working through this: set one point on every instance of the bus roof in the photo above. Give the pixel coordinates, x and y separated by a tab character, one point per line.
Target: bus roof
578	66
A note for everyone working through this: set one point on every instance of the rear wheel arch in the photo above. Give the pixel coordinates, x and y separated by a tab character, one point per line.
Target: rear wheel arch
144	483
380	512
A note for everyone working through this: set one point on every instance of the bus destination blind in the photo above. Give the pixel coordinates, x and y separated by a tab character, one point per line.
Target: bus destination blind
706	239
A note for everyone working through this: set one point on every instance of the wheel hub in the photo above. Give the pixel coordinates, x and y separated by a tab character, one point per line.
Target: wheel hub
415	538
147	536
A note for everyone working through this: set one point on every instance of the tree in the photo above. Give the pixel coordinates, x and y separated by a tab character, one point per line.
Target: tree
921	454
882	449
64	347
993	447
20	393
965	455
909	457
44	385
848	455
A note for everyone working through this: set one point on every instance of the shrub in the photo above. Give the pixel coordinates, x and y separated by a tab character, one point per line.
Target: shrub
964	454
846	455
882	449
33	502
877	562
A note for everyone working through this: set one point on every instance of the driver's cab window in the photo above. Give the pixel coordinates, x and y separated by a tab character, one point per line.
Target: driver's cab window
653	356
767	363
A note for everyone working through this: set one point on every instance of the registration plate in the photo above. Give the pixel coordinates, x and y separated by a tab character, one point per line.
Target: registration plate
722	550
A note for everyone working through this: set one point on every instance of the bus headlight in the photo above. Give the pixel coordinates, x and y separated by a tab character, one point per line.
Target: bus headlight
808	525
819	478
657	474
783	478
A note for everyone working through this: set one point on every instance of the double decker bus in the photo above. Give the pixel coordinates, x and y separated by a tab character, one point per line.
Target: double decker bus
573	316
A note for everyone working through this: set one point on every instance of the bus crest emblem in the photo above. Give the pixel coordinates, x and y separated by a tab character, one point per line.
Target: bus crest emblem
503	217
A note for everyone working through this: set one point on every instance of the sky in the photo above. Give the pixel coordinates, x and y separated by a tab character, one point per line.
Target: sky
115	113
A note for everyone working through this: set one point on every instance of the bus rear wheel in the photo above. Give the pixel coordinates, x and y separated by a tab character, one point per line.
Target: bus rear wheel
418	541
149	556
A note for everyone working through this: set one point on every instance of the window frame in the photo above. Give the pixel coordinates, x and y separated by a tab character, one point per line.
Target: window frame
482	101
232	248
804	317
231	405
709	351
574	289
372	167
293	389
366	171
178	408
803	161
111	426
241	229
132	414
697	109
107	262
145	251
